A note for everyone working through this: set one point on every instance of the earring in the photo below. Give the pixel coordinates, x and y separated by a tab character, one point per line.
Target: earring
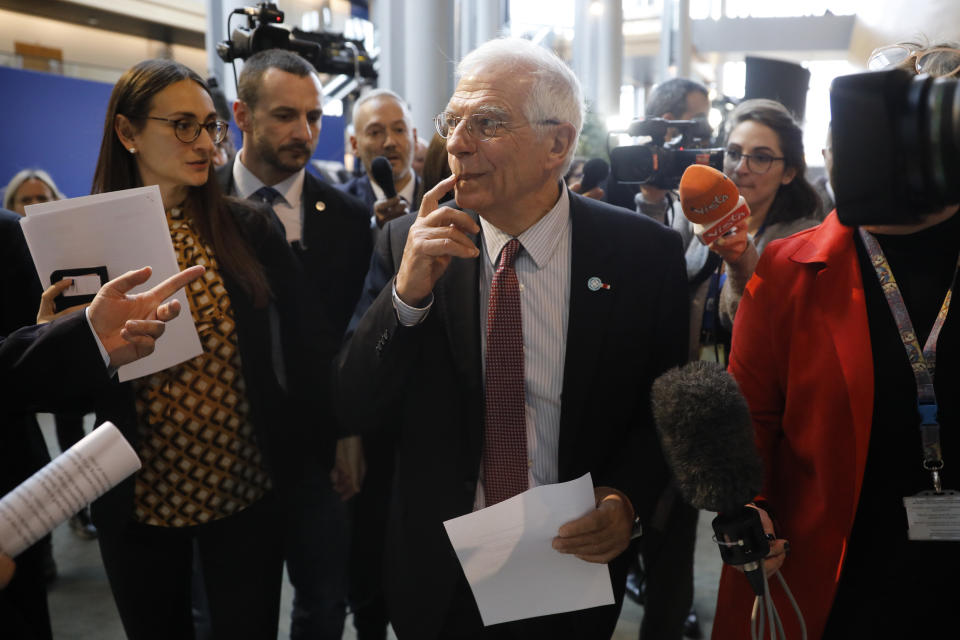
132	150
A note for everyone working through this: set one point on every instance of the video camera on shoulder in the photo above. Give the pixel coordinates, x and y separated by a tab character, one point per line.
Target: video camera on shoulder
896	146
328	52
660	163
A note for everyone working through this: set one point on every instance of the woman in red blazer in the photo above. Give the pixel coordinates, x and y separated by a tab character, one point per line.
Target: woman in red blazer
803	357
803	320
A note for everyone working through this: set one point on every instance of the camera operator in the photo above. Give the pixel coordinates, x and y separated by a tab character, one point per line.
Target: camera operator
670	577
839	374
681	99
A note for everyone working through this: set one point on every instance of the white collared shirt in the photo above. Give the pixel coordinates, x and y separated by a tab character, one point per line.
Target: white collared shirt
289	208
543	271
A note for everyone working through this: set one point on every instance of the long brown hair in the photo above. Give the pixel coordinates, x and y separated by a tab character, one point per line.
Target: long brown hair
117	169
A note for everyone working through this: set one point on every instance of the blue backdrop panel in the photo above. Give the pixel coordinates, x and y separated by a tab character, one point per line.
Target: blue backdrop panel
55	123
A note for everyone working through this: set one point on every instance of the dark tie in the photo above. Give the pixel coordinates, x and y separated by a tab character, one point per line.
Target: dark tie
505	425
268	195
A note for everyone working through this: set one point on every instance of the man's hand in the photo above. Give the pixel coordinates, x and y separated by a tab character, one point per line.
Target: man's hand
437	236
349	467
601	535
390	208
128	325
48	309
6	570
596	193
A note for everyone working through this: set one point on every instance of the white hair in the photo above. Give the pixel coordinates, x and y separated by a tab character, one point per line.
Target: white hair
556	93
381	93
22	176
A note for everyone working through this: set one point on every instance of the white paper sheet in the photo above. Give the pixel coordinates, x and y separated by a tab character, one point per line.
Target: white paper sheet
75	478
123	231
514	572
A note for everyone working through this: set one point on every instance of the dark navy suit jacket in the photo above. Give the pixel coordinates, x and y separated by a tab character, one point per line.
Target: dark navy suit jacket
430	394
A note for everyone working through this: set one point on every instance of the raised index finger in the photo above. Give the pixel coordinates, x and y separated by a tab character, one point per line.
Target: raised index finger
172	284
431	199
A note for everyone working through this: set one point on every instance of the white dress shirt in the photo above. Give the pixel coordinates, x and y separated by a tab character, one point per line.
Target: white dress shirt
288	208
543	273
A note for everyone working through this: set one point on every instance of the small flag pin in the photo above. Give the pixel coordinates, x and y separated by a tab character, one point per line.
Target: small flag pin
595	284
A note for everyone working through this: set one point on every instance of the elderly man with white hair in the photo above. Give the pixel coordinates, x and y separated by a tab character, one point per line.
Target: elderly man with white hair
513	346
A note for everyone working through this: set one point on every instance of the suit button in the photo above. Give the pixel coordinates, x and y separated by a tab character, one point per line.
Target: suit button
469	486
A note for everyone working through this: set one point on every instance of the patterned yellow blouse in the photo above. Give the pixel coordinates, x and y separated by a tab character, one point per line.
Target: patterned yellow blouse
200	457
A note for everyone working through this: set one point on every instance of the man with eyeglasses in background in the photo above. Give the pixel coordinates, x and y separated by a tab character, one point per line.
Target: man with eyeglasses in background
279	108
513	346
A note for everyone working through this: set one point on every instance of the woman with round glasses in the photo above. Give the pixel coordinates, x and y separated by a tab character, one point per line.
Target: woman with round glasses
765	159
214	433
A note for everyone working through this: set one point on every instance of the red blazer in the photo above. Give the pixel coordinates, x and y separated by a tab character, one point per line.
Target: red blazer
801	355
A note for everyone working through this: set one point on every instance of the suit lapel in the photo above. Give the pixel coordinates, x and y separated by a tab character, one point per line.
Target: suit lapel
587	321
843	309
458	306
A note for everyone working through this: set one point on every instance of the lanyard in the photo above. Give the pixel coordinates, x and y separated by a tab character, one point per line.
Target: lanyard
922	361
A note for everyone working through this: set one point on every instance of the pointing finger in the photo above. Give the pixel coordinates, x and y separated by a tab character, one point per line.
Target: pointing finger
174	283
431	199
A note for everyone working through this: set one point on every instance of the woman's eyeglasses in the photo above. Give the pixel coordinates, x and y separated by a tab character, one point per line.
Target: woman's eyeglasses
756	162
188	130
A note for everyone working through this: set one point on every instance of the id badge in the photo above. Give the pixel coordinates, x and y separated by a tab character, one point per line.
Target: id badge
932	516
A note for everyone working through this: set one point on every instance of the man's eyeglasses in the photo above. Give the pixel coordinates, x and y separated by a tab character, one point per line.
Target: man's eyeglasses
756	162
480	126
189	130
924	60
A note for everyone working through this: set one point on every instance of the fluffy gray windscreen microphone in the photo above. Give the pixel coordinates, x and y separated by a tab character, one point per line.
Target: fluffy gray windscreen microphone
707	436
382	172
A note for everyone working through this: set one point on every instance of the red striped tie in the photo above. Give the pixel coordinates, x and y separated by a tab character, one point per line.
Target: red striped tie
505	426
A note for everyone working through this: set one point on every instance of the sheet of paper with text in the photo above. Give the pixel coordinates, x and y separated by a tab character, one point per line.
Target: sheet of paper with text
72	480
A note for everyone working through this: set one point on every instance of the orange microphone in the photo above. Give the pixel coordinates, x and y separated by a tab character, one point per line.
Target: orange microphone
711	202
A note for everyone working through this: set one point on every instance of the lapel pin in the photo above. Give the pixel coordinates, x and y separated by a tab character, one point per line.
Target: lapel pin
320	205
595	284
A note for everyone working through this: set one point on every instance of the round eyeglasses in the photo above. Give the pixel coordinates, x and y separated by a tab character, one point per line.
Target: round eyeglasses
188	130
930	61
756	162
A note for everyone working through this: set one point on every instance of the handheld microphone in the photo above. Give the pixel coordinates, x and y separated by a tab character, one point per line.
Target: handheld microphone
711	202
382	172
707	438
595	171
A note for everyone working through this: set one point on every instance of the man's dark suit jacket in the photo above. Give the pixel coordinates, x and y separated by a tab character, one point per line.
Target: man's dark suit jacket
337	249
430	391
50	367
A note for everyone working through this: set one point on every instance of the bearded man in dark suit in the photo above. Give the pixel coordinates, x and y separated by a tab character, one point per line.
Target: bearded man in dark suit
527	315
279	109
